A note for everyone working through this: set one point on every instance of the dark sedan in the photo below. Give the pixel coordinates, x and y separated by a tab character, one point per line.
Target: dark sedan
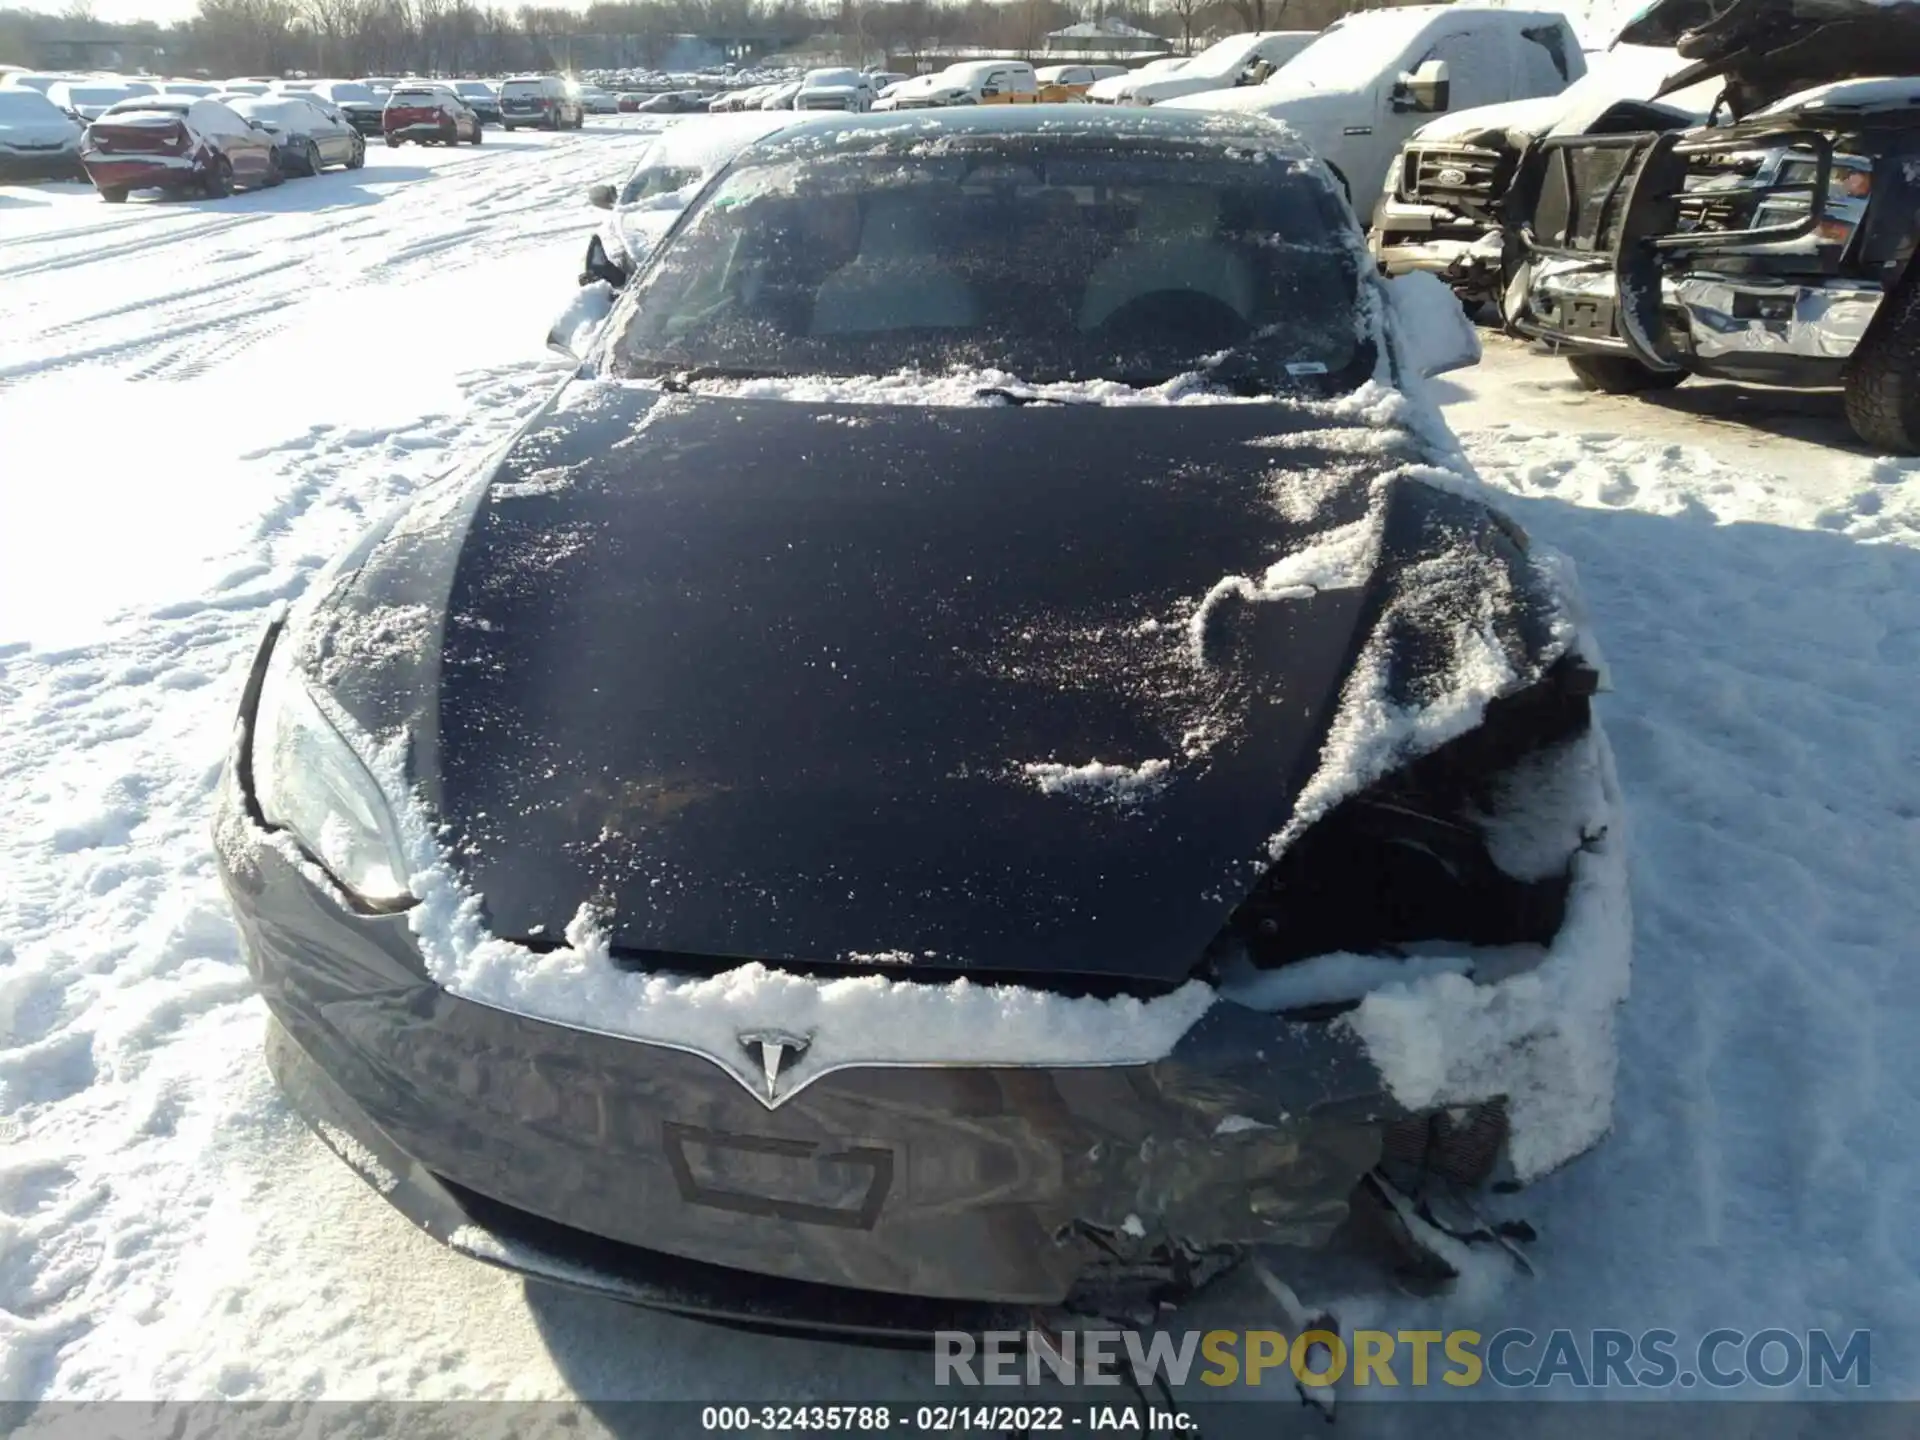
981	753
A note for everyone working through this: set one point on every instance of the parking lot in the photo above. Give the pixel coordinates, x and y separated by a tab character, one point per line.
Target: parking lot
202	401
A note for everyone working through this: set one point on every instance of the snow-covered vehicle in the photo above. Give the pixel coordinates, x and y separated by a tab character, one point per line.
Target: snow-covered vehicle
1442	205
970	82
481	97
1773	246
1237	60
834	89
662	183
360	103
780	97
88	100
595	101
543	100
38	141
309	133
819	830
1372	78
177	143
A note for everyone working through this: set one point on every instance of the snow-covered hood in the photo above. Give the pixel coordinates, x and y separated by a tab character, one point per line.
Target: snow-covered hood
1530	117
759	682
934	89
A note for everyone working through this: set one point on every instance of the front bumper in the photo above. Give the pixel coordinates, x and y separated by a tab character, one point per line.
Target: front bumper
1406	237
60	163
958	1187
992	1184
1717	319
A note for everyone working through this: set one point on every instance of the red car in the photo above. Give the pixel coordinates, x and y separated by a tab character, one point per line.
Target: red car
178	143
428	114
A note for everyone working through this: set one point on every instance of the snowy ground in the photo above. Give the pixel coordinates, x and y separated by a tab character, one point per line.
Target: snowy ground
200	402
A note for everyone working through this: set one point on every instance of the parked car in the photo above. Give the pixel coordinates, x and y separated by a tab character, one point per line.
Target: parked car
662	183
42	81
428	115
674	102
596	101
545	101
759	1092
780	97
1372	78
834	89
1059	83
199	89
1772	247
1237	60
480	97
1443	204
878	80
177	143
88	100
38	140
310	133
970	82
359	102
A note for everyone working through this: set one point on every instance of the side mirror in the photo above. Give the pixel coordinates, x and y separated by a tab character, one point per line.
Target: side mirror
601	197
1427	90
1430	326
601	267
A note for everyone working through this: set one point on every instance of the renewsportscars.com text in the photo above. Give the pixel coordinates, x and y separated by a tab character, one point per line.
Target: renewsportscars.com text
1513	1358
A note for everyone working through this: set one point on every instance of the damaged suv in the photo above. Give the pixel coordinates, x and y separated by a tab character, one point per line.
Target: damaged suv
982	755
1444	203
1774	247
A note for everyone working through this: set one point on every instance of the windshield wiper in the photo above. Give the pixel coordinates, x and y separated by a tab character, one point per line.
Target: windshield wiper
680	381
1022	397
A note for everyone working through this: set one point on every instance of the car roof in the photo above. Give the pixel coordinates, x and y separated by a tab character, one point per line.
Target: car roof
1013	121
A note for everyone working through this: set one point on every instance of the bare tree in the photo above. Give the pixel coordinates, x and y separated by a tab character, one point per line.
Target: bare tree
1184	13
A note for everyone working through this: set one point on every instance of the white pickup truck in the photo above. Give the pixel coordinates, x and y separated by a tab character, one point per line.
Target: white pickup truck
1357	92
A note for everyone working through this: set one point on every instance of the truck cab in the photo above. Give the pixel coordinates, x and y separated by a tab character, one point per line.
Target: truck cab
1371	79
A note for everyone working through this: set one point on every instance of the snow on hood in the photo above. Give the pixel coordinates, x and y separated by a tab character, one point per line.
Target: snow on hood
1532	117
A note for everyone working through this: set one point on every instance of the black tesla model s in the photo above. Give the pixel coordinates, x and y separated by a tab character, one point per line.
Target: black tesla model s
985	751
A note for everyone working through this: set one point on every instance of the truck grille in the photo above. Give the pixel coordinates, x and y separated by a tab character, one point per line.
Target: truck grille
1466	178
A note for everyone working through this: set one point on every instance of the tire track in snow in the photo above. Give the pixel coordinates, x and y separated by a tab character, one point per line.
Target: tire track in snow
128	1026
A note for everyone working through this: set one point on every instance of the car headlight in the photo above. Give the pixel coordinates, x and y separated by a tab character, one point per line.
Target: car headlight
310	782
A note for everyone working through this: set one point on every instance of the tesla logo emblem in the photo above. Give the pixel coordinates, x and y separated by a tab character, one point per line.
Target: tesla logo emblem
1451	176
776	1050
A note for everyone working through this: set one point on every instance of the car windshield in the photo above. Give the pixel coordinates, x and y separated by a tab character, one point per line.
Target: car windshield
98	95
473	87
349	92
23	104
1052	258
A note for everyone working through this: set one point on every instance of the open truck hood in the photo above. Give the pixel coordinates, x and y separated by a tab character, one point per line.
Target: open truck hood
834	684
1769	49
